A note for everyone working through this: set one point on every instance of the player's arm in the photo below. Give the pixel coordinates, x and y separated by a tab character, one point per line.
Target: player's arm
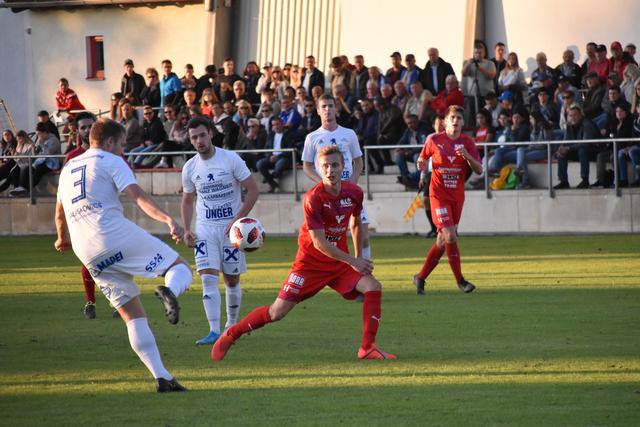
358	164
250	199
186	212
64	240
320	242
151	208
309	169
476	166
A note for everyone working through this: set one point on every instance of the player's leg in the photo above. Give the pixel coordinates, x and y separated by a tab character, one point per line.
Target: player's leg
211	304
440	213
177	278
89	309
371	315
450	237
256	319
233	298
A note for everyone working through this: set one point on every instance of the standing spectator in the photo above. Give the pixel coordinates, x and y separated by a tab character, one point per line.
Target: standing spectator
359	78
635	99
229	76
339	74
579	127
511	78
150	95
618	59
394	73
206	102
477	80
411	73
131	126
188	81
295	76
390	127
418	103
208	80
67	100
450	95
43	117
170	85
630	76
415	134
264	82
312	76
153	134
601	65
46	144
132	83
590	51
84	120
630	52
188	99
24	147
435	72
499	61
251	78
569	69
278	160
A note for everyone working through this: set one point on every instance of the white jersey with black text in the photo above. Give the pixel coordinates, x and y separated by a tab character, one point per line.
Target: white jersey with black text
217	183
344	138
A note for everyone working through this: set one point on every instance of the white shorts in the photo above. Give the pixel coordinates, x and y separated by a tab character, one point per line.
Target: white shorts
214	250
142	255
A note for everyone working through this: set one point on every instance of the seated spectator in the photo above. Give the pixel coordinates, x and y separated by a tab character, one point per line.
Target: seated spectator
254	139
206	102
450	95
493	106
393	74
188	99
592	106
243	115
168	117
10	171
511	78
630	52
477	80
415	134
339	74
386	93
264	115
300	99
131	125
620	127
311	76
229	108
376	76
67	100
251	78
295	78
343	97
8	146
188	81
343	116
150	95
630	76
568	99
590	52
83	122
239	92
569	69
600	65
563	86
359	78
579	127
179	133
268	97
484	128
411	73
264	81
46	144
373	90
419	103
114	106
279	161
229	75
43	117
618	59
542	68
541	130
402	95
520	132
225	92
194	111
132	83
367	132
225	126
543	82
316	93
170	86
153	134
289	115
547	108
503	132
631	151
208	80
286	73
309	122
614	98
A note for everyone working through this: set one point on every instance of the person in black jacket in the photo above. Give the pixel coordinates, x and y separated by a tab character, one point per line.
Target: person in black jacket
150	94
279	161
311	76
435	72
132	83
153	134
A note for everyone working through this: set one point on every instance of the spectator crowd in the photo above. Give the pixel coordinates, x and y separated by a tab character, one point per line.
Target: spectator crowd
273	108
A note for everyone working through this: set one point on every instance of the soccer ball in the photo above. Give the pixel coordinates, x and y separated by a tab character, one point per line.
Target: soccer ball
247	234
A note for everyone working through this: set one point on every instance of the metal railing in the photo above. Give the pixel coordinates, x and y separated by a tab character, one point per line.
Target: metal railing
131	155
489	145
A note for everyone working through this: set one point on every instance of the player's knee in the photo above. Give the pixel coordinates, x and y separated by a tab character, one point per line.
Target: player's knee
277	313
231	280
449	237
369	284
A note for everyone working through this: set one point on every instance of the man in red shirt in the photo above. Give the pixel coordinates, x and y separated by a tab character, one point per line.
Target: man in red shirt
451	153
450	95
66	99
323	259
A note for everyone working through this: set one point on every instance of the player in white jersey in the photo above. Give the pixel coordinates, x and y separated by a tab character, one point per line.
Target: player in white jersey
330	133
216	176
89	219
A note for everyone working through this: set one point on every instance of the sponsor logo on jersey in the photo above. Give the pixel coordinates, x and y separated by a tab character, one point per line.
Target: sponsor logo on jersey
346	202
339	218
451	158
458	146
219	213
210	177
200	248
198	178
327	205
296	280
231	255
333	141
102	265
154	263
441	211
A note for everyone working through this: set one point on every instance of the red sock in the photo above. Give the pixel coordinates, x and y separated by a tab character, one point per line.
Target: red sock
89	285
371	313
454	260
252	321
433	258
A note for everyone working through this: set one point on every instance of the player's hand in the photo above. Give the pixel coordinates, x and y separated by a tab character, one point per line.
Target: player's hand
421	184
363	266
176	231
189	239
421	164
62	245
462	152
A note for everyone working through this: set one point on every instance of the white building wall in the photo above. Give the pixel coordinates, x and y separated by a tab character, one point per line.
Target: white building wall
13	65
552	26
146	35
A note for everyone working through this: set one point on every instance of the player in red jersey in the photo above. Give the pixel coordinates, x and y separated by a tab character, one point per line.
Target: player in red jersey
321	242
451	154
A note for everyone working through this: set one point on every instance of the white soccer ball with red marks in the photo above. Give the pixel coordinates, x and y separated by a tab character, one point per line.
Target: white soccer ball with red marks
247	234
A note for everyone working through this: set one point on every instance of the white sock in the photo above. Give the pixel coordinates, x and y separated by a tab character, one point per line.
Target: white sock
234	299
366	252
144	344
178	278
211	301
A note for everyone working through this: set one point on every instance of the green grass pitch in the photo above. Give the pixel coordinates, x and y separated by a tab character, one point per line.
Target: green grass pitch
551	337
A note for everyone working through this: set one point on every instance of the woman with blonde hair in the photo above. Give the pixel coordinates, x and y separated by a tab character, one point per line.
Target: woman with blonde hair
278	83
243	114
206	102
512	78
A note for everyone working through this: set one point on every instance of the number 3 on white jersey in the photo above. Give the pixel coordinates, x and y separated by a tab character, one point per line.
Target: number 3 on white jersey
82	170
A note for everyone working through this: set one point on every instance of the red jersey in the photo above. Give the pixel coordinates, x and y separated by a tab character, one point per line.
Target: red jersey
448	169
324	211
74	153
68	101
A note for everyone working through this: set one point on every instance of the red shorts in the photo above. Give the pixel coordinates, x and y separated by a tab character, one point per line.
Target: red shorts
445	213
304	283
